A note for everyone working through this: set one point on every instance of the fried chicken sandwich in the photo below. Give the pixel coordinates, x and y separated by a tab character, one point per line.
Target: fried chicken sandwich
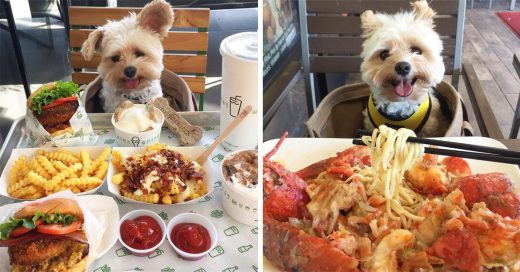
46	236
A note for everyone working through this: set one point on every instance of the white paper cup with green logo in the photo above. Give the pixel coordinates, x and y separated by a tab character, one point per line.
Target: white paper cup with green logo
240	202
125	137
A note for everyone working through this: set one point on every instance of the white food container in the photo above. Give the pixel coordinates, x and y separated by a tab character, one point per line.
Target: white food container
197	219
138	139
240	88
240	202
93	151
132	215
190	152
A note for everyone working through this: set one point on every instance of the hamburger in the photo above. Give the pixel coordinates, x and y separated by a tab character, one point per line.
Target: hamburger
53	104
46	236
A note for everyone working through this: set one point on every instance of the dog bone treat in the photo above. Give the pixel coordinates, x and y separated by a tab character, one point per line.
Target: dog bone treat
185	132
136	119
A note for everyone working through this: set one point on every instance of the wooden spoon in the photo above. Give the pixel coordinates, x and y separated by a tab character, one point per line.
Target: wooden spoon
205	155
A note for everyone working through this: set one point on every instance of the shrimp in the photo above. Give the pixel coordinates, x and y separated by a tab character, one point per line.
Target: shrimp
430	229
429	176
384	258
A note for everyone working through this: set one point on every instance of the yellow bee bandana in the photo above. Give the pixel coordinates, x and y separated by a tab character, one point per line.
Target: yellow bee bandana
414	122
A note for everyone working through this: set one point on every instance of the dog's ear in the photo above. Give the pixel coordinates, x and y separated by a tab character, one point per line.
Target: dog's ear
369	23
92	44
422	11
157	16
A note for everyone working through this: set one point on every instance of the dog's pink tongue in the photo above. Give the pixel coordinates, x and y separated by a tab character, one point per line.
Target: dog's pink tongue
132	83
403	88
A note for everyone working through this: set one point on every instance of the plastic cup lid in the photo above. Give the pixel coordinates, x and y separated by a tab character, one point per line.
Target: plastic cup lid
241	45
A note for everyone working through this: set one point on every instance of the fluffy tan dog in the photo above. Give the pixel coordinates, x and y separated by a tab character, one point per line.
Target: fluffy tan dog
131	55
402	64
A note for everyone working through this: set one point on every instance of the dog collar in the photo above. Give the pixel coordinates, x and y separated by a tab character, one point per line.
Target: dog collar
142	98
414	122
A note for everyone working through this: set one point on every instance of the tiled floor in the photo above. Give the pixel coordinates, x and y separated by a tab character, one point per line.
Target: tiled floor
488	44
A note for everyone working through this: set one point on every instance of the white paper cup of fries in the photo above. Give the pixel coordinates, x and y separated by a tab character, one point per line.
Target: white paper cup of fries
125	137
239	201
33	173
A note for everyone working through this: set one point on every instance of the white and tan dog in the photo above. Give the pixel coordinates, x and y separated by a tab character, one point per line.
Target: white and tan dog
131	55
402	64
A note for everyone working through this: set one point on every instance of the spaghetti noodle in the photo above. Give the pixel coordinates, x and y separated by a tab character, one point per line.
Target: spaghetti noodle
391	157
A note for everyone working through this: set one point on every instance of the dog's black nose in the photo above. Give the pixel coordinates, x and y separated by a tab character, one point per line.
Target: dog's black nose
403	68
130	71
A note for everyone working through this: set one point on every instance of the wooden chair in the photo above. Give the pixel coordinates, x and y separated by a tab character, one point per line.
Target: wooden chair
185	47
331	37
516	119
331	43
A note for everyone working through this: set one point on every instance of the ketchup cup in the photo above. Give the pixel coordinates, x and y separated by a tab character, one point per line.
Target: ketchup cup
133	215
197	219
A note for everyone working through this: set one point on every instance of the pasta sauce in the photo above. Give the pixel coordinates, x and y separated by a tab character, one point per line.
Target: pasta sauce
191	238
142	232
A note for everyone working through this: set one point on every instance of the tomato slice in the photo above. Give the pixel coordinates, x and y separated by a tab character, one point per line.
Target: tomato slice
21	230
58	229
60	101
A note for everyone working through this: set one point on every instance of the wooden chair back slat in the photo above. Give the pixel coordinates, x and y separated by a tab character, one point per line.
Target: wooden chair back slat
357	6
95	16
352	45
188	38
179	63
180	41
340	64
196	84
351	25
334	31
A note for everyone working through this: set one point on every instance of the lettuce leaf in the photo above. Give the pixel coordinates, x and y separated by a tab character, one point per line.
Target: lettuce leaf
46	96
30	223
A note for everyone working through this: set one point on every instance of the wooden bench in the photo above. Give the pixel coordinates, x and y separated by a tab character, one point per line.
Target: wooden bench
185	47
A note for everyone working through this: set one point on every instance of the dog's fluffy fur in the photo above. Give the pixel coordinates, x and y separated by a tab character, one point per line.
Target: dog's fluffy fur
135	41
406	37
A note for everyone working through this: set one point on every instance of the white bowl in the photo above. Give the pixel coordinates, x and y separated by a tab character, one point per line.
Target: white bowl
93	151
134	214
137	139
190	152
192	218
240	202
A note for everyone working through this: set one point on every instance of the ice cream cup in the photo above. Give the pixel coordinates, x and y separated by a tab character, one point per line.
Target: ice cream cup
138	139
239	201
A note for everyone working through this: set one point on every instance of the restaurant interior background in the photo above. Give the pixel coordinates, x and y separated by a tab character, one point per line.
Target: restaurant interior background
488	44
45	51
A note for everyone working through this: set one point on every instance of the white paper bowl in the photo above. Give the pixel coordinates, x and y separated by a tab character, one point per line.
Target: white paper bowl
240	202
190	152
93	151
134	214
138	139
192	218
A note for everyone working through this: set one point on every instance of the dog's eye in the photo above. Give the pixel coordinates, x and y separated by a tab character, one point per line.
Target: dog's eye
384	54
416	50
139	54
116	58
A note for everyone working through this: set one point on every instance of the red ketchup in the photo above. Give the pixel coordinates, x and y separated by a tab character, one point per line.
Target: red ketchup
142	232
191	238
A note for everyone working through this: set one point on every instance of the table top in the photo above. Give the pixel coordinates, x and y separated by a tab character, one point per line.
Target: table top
237	246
